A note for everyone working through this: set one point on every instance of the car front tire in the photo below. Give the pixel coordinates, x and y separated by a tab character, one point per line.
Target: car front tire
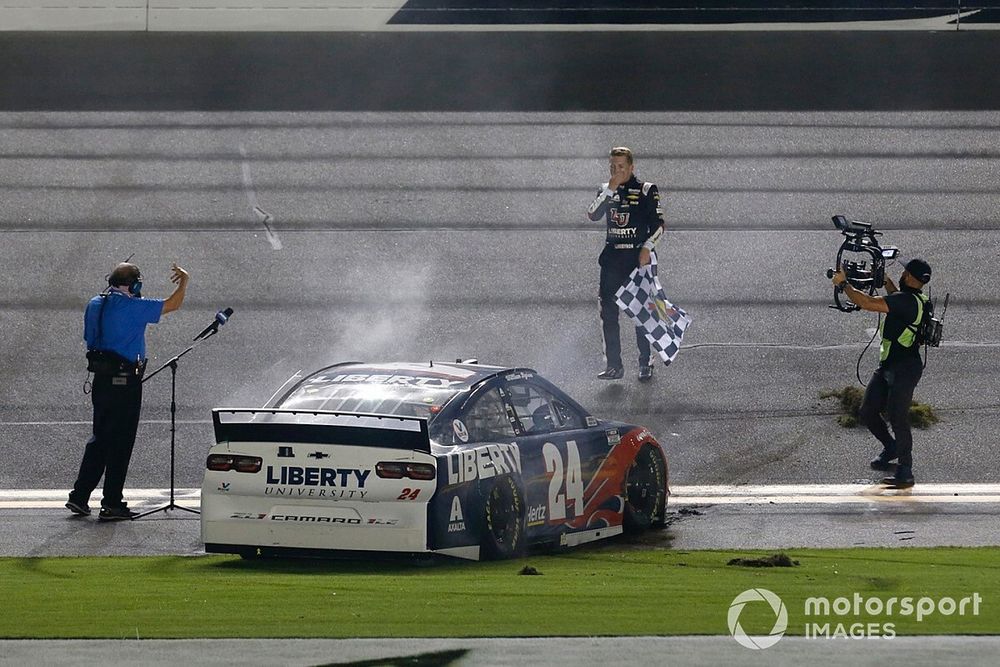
503	520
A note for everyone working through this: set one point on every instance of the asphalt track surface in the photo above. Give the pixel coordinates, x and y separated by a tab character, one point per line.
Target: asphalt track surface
436	236
573	651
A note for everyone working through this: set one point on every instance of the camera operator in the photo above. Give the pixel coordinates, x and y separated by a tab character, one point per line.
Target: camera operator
114	330
893	382
634	224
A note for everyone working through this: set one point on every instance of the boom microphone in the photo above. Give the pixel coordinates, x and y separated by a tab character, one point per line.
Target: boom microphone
221	318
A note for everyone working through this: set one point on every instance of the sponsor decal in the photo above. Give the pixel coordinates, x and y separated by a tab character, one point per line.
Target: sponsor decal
456	520
536	515
518	375
461	432
224	487
620	219
285	453
332	494
311	518
614	437
404	380
333	483
318	455
591	421
624	233
483	462
310	476
305	518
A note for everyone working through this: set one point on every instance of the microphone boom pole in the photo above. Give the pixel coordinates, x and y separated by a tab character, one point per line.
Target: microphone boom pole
220	318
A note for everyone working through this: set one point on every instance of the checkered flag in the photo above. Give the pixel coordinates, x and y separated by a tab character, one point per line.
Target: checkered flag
643	300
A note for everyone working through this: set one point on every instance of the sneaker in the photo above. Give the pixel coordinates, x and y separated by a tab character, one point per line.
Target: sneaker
122	513
611	373
883	464
903	479
79	509
645	373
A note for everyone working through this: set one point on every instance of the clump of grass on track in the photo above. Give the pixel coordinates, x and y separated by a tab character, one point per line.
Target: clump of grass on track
922	415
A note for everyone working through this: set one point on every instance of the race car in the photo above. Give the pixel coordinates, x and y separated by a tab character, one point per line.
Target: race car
462	459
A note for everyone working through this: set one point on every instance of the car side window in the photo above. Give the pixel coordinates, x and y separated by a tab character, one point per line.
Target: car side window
486	419
539	411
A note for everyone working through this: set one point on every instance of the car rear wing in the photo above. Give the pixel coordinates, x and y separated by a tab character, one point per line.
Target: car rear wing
321	427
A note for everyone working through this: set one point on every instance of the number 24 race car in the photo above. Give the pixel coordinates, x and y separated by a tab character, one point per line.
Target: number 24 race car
459	459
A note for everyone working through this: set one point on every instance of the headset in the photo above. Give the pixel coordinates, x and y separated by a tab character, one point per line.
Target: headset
134	287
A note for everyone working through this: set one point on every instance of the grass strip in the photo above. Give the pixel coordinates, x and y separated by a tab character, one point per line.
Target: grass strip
604	590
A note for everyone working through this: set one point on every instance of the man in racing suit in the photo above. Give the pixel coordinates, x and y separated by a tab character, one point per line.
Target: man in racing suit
891	388
631	209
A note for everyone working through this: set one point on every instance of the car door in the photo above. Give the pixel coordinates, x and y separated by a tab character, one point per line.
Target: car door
567	485
479	442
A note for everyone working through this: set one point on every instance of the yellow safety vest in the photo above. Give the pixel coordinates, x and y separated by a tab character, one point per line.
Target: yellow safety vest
909	333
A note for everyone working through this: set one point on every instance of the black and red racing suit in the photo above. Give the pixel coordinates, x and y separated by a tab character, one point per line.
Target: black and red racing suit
634	221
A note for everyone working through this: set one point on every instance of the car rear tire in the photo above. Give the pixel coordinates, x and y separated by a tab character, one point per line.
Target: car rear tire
503	520
645	490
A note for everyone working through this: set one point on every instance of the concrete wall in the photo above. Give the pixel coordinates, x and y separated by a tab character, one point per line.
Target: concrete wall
534	71
435	15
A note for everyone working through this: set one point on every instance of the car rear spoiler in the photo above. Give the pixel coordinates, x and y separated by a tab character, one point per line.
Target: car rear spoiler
321	427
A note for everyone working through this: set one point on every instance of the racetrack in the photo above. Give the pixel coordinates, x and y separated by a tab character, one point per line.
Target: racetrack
405	236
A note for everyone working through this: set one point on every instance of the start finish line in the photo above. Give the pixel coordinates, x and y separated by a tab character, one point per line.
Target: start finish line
769	494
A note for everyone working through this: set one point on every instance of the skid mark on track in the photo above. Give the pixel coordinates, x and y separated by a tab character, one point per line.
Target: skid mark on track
265	218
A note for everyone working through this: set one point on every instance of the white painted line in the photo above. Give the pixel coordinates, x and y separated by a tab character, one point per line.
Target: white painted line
90	422
778	494
21	499
832	494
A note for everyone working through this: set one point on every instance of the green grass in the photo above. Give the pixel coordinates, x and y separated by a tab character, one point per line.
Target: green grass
607	590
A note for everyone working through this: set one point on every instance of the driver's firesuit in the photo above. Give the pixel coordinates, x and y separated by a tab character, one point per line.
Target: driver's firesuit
634	220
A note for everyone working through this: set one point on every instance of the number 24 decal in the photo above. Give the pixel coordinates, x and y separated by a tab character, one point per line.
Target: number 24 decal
408	494
574	479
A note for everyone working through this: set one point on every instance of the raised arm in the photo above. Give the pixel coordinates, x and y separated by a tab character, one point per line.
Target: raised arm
180	277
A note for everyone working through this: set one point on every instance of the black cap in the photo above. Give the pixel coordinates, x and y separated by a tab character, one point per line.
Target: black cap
919	269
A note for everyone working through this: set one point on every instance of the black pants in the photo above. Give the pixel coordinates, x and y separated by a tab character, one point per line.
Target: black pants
616	265
109	450
891	391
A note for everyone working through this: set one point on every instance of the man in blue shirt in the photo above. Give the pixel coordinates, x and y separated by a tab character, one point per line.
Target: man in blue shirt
114	328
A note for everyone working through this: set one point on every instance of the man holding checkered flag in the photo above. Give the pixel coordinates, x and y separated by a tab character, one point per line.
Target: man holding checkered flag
631	210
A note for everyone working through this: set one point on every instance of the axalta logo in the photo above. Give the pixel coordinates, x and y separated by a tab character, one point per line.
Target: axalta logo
298	476
780	618
483	463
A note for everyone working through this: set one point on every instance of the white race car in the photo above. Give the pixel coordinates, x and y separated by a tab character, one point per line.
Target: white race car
459	459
